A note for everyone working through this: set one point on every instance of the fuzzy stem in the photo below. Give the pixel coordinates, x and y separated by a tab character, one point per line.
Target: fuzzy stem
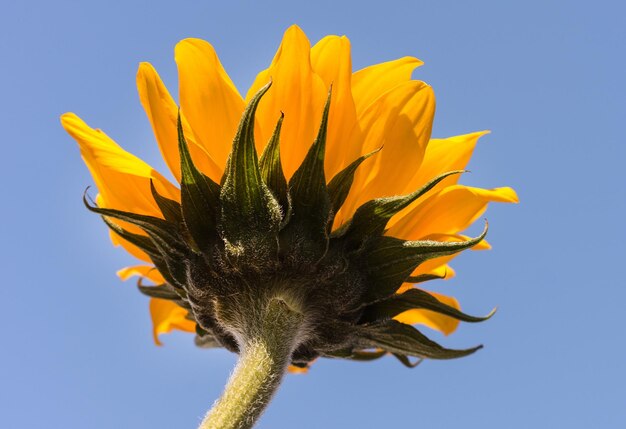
265	354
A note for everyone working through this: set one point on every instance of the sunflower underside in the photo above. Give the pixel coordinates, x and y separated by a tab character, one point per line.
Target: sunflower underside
229	247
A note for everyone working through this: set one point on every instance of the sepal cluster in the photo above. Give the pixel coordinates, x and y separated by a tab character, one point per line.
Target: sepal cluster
227	249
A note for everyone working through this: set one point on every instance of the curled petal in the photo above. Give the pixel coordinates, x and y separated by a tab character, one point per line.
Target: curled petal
143	271
167	316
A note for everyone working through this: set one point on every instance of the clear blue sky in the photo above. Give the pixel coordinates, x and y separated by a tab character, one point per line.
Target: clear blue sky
547	77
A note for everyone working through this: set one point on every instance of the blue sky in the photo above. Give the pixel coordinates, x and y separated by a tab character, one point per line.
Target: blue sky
547	77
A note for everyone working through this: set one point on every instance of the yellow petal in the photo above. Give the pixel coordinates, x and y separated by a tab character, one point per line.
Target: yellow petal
444	324
371	82
129	247
122	179
401	122
119	241
451	210
435	265
145	271
444	272
297	370
443	155
162	112
208	98
298	92
331	60
167	316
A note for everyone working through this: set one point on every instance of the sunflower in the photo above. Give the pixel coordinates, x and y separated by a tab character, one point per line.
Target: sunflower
312	207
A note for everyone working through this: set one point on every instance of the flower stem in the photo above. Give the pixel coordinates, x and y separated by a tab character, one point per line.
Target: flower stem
265	354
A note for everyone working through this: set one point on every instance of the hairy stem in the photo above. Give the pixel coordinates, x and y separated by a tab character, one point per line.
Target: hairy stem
265	354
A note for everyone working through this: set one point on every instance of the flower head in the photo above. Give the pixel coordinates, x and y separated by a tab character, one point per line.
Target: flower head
322	189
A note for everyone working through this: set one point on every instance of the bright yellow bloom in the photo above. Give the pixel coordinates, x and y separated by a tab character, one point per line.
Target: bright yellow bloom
377	107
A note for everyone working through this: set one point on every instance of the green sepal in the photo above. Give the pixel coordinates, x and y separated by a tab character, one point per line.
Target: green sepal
164	235
166	256
310	201
204	339
396	337
358	355
207	342
164	291
171	210
272	171
199	198
158	257
172	269
250	216
141	241
167	292
415	299
364	356
372	217
424	278
339	186
406	361
389	261
200	331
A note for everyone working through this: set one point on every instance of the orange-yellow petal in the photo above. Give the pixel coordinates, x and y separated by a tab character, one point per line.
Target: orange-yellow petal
297	370
371	82
451	210
145	271
400	122
444	324
331	60
444	272
443	155
298	92
162	112
167	316
119	241
208	98
123	180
